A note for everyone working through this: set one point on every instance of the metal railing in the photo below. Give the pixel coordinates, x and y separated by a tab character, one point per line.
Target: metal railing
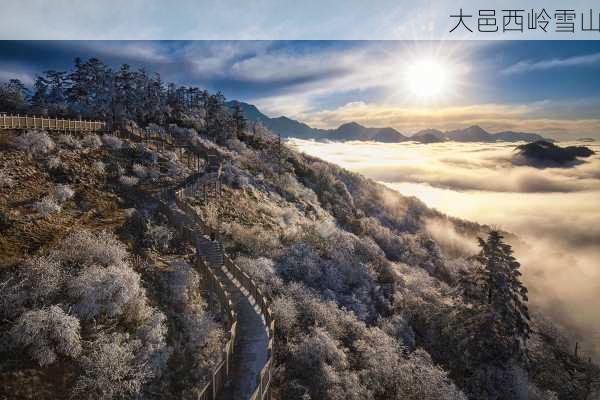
51	124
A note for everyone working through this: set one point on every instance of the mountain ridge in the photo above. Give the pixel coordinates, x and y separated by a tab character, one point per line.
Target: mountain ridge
291	128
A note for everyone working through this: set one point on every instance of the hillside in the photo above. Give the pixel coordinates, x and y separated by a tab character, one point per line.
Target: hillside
289	128
546	153
373	294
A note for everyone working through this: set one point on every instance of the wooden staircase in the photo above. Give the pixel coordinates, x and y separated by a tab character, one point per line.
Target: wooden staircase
211	251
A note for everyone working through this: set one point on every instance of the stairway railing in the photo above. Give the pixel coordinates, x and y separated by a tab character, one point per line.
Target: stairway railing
264	377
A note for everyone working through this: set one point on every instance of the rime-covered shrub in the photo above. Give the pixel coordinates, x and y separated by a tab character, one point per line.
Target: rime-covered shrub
109	368
41	279
262	271
153	129
46	206
416	370
99	167
182	133
35	143
91	142
317	349
46	334
69	141
204	341
128	181
111	291
112	142
37	283
62	193
120	170
285	313
54	163
197	336
255	239
181	287
398	327
290	185
319	354
235	177
140	171
84	248
159	236
6	181
153	333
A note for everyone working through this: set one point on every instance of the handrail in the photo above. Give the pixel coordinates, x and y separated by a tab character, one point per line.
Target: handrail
51	124
263	378
222	371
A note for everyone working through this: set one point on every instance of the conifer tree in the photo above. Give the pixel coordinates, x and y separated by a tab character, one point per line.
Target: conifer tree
496	318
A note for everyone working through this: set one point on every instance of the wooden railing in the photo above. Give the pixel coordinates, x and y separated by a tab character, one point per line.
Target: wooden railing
264	377
221	372
50	124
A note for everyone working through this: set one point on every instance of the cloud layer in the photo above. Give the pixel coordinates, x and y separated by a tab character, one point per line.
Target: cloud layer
555	212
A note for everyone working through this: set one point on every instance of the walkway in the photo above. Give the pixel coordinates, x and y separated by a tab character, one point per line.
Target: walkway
251	347
252	341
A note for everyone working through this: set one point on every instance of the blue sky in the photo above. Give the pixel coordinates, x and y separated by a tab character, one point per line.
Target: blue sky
547	86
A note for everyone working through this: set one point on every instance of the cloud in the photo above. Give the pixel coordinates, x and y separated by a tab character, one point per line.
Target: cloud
554	212
456	166
6	75
543	65
533	117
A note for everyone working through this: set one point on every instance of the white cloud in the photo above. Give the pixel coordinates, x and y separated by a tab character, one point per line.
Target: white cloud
8	74
576	61
536	117
554	211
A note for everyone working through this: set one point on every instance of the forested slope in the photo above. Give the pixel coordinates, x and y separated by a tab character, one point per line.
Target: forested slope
376	296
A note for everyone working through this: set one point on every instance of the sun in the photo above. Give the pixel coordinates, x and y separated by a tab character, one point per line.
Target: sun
428	79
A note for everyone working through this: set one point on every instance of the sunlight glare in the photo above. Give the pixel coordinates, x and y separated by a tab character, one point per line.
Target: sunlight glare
428	79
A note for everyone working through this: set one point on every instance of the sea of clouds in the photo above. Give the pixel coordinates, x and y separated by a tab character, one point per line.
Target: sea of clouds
554	211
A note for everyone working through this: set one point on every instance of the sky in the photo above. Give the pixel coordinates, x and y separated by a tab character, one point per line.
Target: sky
549	87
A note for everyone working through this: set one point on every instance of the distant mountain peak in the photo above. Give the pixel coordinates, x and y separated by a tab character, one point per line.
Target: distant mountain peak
350	125
288	127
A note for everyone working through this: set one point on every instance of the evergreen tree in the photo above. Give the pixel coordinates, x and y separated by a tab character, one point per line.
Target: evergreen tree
56	93
13	96
239	122
496	318
39	100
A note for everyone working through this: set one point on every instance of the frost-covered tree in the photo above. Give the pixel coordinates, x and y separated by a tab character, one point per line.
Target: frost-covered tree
69	141
35	143
62	193
91	141
13	96
41	279
128	180
140	171
498	299
492	327
112	142
46	206
111	291
159	236
109	368
83	248
99	167
46	334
